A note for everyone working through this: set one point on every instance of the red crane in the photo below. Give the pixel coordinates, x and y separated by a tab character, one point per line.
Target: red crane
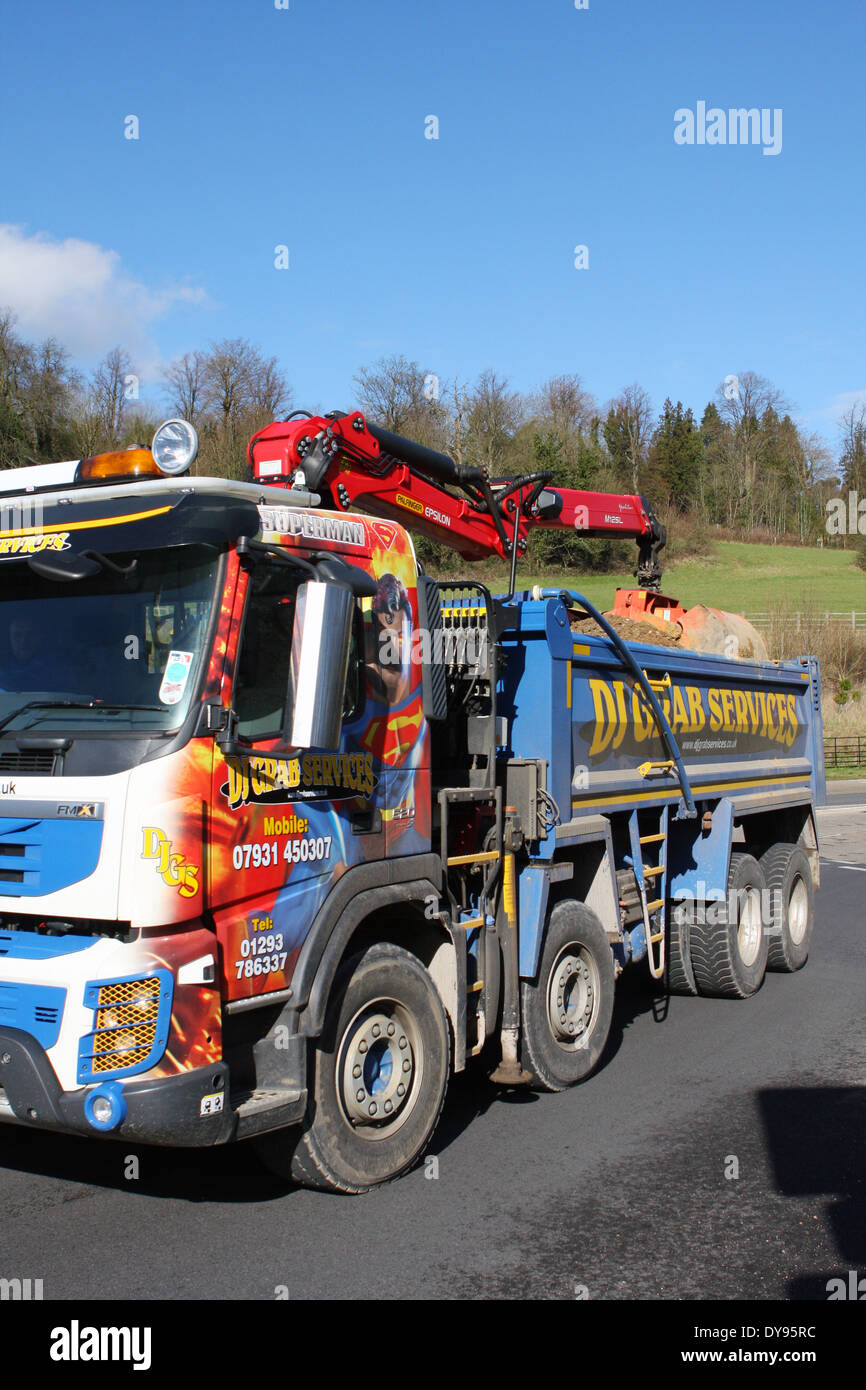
356	466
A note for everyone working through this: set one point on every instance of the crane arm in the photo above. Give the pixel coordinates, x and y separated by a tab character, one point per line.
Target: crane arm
360	467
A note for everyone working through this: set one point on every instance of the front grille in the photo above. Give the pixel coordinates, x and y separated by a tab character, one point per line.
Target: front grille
36	762
131	1019
45	853
33	937
118	1049
128	1015
128	991
115	1045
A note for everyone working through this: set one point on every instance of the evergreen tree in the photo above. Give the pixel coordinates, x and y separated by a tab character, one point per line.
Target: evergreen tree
677	450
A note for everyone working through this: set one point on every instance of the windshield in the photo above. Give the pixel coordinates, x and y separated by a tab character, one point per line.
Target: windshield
103	646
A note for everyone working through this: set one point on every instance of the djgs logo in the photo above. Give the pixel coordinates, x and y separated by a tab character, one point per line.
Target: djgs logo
173	869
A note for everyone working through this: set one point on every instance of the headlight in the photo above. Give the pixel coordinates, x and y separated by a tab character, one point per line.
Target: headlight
174	446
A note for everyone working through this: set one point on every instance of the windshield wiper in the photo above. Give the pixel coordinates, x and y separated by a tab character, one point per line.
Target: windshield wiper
73	704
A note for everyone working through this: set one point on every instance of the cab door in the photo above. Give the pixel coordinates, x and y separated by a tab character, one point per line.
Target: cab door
287	822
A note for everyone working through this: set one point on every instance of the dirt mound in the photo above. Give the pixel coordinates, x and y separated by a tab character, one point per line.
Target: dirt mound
628	629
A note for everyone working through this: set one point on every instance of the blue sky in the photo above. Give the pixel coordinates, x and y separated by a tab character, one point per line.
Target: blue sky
305	127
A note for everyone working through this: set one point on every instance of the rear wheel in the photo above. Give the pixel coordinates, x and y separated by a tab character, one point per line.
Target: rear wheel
379	1075
568	1007
679	974
792	906
728	939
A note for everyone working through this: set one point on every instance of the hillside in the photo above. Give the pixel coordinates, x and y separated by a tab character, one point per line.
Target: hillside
745	578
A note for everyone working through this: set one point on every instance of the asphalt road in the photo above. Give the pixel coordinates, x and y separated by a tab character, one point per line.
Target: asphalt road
719	1153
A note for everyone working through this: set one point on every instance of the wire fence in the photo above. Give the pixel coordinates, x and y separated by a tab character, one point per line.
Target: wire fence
853	619
848	750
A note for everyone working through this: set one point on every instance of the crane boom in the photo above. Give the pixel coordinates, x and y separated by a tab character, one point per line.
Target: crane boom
362	467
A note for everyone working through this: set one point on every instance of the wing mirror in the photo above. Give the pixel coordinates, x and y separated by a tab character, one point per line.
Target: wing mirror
320	657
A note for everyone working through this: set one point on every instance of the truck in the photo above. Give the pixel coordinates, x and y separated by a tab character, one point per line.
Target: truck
291	832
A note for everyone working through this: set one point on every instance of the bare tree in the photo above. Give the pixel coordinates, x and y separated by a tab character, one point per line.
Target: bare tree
495	415
270	395
48	395
630	417
852	459
185	380
109	392
15	360
458	412
392	392
228	379
743	402
564	404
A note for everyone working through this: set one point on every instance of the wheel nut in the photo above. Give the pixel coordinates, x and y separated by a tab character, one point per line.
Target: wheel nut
373	1107
407	1065
388	1107
376	1030
356	1071
362	1045
359	1096
401	1089
391	1030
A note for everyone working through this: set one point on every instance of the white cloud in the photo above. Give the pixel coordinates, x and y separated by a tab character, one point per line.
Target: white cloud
831	413
79	293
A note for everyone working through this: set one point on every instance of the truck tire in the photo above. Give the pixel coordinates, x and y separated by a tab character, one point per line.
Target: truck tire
679	973
792	905
729	942
568	1007
379	1075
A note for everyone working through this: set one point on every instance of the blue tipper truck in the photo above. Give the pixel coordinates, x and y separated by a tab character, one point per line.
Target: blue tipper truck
374	825
660	806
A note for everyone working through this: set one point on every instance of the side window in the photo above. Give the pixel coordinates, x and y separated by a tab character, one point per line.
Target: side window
264	659
353	695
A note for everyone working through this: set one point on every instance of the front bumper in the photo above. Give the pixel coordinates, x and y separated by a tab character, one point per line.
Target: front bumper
166	1110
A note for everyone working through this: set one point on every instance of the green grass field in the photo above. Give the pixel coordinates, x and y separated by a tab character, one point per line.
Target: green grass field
740	578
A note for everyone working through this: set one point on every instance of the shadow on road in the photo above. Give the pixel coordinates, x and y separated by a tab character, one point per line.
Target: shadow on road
471	1094
233	1173
816	1139
230	1173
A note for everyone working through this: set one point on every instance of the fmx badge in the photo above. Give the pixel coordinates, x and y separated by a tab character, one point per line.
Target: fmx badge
173	869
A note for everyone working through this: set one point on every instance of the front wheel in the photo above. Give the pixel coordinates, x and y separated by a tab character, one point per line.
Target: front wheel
379	1075
567	1009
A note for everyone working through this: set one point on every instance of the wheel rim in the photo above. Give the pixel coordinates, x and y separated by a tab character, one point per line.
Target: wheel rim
750	928
379	1068
573	997
798	911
